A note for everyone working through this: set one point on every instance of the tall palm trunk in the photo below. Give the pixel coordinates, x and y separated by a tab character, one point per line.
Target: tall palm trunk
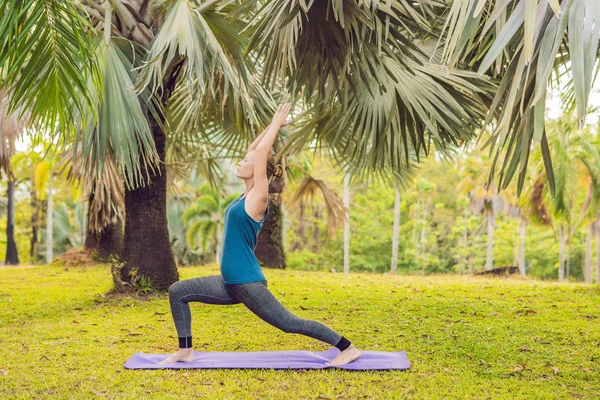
269	247
465	243
347	223
49	223
396	237
316	216
299	239
12	255
523	223
489	263
597	255
561	266
568	257
34	226
147	245
587	271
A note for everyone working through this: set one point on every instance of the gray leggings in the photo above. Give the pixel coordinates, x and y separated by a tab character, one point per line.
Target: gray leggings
254	295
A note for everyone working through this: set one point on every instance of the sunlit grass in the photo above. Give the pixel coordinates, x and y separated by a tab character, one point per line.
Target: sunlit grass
61	336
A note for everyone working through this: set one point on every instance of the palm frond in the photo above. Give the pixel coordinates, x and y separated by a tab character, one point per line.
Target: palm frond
123	128
530	40
334	204
46	58
11	129
316	44
106	191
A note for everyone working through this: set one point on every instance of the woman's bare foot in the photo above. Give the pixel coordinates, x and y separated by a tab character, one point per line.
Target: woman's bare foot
186	355
345	357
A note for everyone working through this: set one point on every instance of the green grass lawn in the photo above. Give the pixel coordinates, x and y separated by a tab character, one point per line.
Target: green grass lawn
62	336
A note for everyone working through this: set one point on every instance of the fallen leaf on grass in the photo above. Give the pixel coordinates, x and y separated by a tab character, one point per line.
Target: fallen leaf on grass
576	396
519	368
3	372
524	348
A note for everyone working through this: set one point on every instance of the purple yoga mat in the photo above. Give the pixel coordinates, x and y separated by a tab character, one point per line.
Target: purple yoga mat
295	359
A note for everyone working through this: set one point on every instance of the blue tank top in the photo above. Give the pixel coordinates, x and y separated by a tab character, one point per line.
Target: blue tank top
240	234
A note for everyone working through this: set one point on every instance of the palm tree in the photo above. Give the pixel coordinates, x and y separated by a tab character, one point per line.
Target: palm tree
347	221
578	157
24	165
396	237
43	177
11	128
307	188
482	198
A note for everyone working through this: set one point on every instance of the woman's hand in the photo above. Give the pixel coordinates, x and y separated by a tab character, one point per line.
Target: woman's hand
280	116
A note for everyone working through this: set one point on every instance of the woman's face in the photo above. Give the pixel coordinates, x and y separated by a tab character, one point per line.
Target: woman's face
245	168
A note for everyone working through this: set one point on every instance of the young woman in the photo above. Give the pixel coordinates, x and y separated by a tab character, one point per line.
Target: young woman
241	279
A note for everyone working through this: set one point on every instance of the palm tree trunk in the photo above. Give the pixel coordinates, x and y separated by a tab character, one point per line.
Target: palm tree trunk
424	232
34	227
465	242
50	208
108	241
597	255
315	217
218	239
299	239
561	264
347	223
587	272
147	245
269	247
416	208
522	267
568	257
489	263
12	255
396	236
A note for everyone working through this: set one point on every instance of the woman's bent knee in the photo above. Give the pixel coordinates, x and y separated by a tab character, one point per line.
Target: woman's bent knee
174	289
